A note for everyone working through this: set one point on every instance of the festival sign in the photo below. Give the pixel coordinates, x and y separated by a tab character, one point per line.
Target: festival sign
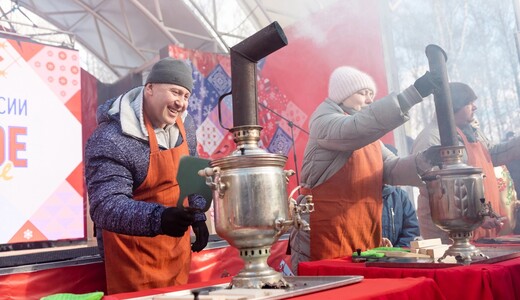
41	168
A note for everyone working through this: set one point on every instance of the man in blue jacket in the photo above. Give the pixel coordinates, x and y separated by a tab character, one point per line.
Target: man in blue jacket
400	224
131	164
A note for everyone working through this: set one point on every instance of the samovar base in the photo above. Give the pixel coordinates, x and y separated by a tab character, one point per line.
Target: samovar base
462	249
257	274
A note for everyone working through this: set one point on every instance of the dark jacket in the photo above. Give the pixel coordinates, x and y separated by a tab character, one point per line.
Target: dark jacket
400	224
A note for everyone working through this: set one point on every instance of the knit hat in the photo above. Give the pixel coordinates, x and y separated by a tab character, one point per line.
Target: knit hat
345	81
174	71
461	95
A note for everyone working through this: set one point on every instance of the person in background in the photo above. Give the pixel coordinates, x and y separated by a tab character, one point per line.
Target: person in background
131	164
509	186
514	165
400	224
480	152
508	199
399	219
345	165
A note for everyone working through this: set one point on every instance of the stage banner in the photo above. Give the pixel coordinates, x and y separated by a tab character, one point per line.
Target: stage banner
41	168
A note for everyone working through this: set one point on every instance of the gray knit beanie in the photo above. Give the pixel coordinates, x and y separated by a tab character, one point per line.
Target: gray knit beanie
345	81
174	71
461	95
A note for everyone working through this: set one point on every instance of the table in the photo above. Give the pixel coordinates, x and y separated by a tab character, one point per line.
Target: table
87	274
377	289
479	281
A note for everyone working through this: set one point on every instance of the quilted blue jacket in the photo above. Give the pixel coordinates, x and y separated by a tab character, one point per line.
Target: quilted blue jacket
400	224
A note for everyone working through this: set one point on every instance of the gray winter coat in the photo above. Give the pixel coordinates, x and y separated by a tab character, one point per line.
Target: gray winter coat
334	136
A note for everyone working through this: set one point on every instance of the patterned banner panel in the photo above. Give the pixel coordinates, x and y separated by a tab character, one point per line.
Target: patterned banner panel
212	80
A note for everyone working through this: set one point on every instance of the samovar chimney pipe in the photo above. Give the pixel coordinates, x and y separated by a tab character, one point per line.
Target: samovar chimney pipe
441	95
244	57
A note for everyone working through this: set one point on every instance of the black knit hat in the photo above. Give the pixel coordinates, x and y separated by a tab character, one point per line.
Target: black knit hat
461	95
174	71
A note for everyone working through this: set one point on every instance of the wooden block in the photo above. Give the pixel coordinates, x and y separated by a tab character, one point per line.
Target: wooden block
434	251
425	243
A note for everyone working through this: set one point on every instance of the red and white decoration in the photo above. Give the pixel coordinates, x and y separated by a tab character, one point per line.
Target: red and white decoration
41	168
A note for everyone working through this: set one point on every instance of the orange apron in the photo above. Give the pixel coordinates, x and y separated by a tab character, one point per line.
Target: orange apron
478	156
135	263
348	207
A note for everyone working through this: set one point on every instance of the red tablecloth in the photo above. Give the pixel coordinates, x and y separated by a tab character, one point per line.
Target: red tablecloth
480	281
380	288
206	265
77	279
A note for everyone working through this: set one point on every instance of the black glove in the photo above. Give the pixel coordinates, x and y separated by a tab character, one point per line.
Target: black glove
202	234
175	221
424	84
433	155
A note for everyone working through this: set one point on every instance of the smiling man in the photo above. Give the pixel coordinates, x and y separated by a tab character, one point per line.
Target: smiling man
131	165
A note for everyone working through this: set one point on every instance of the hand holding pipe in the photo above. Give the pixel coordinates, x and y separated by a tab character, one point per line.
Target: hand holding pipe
441	95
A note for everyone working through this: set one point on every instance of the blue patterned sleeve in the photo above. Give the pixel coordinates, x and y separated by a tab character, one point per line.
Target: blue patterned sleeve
197	201
110	190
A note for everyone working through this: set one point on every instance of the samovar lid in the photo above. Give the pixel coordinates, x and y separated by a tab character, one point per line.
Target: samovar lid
250	158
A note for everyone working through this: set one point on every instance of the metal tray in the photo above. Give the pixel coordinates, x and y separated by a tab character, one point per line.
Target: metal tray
299	285
496	254
309	284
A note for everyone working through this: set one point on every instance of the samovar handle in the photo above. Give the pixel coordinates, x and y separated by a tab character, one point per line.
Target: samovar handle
487	210
297	209
213	180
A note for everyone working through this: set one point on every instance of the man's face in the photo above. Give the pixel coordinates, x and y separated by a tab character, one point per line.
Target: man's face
164	102
466	114
359	99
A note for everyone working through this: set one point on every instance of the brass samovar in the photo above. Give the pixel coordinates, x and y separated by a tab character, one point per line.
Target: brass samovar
251	203
456	192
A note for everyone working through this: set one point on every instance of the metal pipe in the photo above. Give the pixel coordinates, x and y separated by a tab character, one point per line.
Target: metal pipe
441	95
244	57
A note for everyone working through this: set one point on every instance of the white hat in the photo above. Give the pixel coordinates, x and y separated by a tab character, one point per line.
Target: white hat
345	81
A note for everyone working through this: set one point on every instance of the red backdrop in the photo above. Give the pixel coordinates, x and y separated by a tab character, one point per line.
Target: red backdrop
348	33
292	81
